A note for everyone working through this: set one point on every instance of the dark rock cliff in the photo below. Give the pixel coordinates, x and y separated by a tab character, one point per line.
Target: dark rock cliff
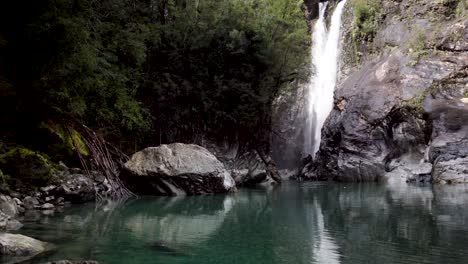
400	109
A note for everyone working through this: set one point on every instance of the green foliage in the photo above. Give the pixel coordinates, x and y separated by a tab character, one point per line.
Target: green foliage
462	9
63	143
417	45
366	14
150	72
457	8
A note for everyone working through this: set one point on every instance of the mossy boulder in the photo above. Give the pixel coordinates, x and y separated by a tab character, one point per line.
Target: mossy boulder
26	167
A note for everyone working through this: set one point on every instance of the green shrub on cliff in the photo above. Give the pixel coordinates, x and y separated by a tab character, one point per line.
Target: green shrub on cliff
462	9
417	45
366	14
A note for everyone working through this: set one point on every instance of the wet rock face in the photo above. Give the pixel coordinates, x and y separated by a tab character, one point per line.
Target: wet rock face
311	11
403	142
397	117
287	139
176	169
449	147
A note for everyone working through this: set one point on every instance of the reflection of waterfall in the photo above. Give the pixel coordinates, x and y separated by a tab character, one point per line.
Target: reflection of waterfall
324	248
325	53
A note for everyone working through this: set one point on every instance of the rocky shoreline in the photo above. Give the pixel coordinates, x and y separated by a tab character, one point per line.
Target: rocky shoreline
49	200
174	169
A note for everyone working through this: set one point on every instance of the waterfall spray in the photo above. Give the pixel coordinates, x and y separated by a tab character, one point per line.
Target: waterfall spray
325	53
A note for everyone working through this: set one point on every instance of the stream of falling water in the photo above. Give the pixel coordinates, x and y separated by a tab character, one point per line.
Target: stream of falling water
325	54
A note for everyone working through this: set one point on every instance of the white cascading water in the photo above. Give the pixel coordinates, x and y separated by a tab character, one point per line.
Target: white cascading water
325	53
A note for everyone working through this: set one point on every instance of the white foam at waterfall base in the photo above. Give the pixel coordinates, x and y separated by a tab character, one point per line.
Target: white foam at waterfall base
325	53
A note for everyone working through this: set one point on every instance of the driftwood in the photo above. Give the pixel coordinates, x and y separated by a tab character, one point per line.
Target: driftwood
104	158
271	168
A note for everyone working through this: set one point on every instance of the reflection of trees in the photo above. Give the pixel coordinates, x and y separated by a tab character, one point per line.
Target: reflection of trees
312	223
131	226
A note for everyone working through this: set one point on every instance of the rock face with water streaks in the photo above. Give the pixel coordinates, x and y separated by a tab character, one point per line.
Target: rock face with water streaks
448	150
400	114
177	169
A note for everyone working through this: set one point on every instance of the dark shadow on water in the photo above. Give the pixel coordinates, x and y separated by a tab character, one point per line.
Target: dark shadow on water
162	247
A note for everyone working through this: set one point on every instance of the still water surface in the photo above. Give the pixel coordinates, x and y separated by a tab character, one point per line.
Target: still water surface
294	223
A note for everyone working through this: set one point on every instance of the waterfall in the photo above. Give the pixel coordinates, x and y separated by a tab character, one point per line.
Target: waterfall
325	53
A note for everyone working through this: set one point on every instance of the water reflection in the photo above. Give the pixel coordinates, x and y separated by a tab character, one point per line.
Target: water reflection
296	223
179	220
324	248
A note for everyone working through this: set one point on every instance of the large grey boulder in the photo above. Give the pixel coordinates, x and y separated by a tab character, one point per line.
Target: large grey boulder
176	169
19	245
8	212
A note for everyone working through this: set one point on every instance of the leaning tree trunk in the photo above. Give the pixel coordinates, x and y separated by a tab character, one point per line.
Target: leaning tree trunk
104	158
271	168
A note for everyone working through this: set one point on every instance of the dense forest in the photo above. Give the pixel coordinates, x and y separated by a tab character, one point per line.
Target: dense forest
147	72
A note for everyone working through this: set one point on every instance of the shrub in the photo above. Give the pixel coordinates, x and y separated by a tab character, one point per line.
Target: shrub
417	44
366	15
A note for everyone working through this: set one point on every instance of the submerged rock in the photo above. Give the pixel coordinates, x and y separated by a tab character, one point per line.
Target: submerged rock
19	245
176	169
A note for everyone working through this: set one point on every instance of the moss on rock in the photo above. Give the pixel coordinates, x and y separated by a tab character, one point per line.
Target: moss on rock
64	142
26	168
